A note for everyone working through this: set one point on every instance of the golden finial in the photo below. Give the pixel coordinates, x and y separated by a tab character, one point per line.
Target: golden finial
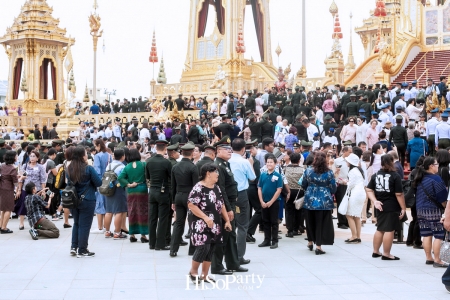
95	5
333	9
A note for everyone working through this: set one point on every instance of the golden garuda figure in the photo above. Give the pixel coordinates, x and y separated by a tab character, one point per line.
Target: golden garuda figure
434	103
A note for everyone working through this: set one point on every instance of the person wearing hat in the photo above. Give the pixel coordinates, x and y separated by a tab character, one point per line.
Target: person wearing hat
317	98
255	127
288	112
304	108
352	107
267	128
399	137
357	197
184	177
177	137
367	108
209	155
329	123
370	94
442	135
117	129
296	98
385	114
250	103
243	173
414	92
330	138
158	171
432	123
228	186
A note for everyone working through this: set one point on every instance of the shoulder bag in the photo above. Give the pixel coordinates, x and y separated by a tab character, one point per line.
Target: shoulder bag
298	202
438	205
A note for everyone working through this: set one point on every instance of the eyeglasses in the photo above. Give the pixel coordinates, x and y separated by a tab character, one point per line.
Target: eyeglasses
351	121
215	171
436	164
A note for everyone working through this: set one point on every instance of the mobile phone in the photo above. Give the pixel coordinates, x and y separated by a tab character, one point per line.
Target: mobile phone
24	174
49	192
247	154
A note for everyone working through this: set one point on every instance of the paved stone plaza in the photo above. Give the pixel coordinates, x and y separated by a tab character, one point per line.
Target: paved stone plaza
44	269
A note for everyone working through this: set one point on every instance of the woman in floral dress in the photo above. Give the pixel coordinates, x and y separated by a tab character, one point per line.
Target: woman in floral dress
206	210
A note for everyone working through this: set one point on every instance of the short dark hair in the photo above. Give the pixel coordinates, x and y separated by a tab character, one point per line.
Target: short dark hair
118	154
209	167
29	188
238	144
55	124
295	157
267	142
270	156
161	147
51	152
10	157
357	151
134	155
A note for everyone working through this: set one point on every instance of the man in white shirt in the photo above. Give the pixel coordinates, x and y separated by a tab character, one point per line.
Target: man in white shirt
431	87
330	138
108	130
414	91
240	121
214	107
401	102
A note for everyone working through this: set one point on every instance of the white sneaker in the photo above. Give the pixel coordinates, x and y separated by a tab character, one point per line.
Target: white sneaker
97	231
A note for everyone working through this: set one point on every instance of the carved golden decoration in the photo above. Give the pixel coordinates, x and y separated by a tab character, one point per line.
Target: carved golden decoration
388	58
433	103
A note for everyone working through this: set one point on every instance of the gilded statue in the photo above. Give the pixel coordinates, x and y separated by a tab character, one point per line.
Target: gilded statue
336	49
94	23
219	78
287	71
433	103
175	114
281	84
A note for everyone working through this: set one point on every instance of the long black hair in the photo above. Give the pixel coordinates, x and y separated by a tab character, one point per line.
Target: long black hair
375	148
423	170
77	167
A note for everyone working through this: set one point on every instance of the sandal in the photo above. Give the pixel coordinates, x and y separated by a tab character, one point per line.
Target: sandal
194	278
133	239
7	230
208	279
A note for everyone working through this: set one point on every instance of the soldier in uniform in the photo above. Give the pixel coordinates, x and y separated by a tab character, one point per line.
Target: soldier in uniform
352	106
117	130
2	150
329	123
255	128
209	156
177	137
267	129
272	116
225	127
277	109
173	154
157	171
296	98
184	177
441	139
288	112
116	107
250	103
400	138
362	90
367	108
228	187
376	91
305	110
345	100
370	94
179	102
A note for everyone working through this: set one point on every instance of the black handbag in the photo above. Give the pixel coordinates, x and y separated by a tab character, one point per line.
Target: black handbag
409	192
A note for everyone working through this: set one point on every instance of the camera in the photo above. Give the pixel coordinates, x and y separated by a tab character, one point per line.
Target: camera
24	174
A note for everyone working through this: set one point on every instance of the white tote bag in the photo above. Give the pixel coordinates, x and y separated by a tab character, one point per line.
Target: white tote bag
342	209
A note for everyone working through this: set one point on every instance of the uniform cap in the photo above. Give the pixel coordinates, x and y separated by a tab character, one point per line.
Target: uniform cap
374	113
328	117
362	110
435	110
209	147
224	142
296	145
331	129
188	146
347	143
444	115
399	117
162	142
173	147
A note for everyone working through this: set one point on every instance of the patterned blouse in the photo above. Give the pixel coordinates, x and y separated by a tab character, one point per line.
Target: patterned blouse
209	201
318	190
35	174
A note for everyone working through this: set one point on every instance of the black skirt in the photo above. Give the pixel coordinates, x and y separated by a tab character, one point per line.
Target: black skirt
387	221
319	227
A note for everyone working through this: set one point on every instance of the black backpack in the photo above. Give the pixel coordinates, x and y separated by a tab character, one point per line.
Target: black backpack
108	188
69	195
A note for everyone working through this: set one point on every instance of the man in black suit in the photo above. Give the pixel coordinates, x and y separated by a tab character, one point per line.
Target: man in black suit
133	106
37	132
225	127
53	134
193	133
179	102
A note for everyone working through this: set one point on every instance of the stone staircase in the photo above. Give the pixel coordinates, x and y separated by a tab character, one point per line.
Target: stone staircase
436	62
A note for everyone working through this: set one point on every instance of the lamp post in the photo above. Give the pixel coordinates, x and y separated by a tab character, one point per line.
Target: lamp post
94	23
109	93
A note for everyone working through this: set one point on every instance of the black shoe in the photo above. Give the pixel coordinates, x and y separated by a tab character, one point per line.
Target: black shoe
388	258
86	254
264	244
124	231
21	228
334	218
409	245
296	233
73	251
144	240
447	287
343	227
163	248
249	239
310	247
355	241
5	231
152	247
274	246
289	235
376	255
279	237
241	269
133	239
222	272
183	243
67	226
187	236
244	261
417	247
319	252
172	254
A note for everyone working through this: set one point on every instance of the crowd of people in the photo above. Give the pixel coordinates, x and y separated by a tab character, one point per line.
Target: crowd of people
251	162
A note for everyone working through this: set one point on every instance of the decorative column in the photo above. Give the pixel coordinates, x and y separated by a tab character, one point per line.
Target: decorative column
380	12
94	23
335	62
153	59
240	49
303	69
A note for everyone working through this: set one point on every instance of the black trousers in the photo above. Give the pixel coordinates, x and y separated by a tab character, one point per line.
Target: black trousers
159	208
340	193
253	198
228	249
414	229
270	219
401	150
181	210
319	227
293	216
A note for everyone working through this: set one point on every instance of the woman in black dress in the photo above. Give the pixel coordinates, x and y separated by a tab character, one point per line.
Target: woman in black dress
206	210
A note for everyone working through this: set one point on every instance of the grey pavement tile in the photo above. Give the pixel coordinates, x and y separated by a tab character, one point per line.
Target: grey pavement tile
92	283
44	283
135	284
338	279
441	293
373	278
132	293
43	294
408	295
10	293
364	295
14	283
78	294
348	287
391	287
311	290
138	275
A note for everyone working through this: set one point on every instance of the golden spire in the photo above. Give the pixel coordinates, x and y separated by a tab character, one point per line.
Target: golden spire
95	5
